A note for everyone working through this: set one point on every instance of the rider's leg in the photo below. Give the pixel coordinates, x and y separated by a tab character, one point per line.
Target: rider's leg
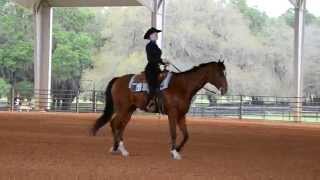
152	71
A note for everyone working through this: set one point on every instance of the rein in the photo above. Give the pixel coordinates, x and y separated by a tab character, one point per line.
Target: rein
181	71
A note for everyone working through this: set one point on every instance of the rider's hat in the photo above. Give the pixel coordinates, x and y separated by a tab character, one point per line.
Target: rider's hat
151	31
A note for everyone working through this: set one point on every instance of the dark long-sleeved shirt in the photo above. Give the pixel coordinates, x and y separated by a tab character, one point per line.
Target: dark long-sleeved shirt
154	53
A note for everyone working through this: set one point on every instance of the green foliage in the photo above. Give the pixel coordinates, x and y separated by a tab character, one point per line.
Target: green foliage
73	19
3	2
73	44
75	37
289	18
257	19
16	56
124	49
72	54
4	88
16	46
25	89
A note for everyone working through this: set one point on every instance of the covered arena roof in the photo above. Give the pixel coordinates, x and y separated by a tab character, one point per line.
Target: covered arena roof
87	3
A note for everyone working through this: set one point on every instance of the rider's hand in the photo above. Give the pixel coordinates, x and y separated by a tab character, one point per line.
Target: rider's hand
166	62
165	65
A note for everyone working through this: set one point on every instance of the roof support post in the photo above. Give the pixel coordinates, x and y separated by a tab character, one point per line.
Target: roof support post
157	18
42	55
300	6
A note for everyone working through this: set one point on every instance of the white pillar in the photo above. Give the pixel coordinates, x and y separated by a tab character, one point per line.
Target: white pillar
157	18
42	55
300	7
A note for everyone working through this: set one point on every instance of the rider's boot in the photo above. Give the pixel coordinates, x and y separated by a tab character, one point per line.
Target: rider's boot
153	106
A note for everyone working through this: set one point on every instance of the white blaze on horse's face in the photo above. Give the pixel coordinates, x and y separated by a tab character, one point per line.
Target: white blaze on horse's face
223	84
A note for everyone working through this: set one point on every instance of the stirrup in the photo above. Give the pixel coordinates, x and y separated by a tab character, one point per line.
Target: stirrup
152	105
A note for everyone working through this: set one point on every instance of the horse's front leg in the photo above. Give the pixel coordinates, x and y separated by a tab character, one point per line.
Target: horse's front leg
172	125
183	128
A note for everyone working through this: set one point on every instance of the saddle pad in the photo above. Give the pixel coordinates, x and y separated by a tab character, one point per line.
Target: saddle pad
143	87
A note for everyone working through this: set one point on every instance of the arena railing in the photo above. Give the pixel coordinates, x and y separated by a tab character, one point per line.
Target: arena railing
203	105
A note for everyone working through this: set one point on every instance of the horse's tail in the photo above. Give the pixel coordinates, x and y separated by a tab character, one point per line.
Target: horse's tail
108	110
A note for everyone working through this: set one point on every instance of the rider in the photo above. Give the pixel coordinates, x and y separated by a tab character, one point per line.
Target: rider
152	69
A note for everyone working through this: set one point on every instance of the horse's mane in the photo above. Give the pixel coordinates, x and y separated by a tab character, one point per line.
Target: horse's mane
196	68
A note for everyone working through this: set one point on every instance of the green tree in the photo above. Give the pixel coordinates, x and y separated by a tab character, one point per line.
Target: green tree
25	89
72	55
123	50
75	37
16	45
74	40
4	88
288	16
257	19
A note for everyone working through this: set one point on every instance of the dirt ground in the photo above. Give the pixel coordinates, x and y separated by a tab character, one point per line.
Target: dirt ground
57	146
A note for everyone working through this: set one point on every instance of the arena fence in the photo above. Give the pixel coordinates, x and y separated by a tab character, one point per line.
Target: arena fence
203	105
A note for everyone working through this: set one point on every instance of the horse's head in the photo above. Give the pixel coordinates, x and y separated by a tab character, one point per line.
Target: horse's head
217	76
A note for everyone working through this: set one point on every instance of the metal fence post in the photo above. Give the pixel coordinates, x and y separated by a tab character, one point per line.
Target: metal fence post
77	101
240	108
290	115
12	100
94	99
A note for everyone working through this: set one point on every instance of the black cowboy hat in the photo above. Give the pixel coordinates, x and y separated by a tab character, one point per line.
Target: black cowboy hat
150	31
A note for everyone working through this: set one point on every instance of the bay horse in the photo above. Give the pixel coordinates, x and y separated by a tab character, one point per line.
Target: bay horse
121	102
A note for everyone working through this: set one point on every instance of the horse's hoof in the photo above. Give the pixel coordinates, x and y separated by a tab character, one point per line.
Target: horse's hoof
125	153
113	152
175	155
120	151
123	150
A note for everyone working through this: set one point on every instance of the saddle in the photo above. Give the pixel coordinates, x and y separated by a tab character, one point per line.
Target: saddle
138	82
142	77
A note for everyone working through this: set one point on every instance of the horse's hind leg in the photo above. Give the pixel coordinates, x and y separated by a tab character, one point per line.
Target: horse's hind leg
114	127
173	117
118	125
183	128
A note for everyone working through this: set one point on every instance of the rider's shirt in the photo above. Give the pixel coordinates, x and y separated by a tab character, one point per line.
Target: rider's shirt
154	53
